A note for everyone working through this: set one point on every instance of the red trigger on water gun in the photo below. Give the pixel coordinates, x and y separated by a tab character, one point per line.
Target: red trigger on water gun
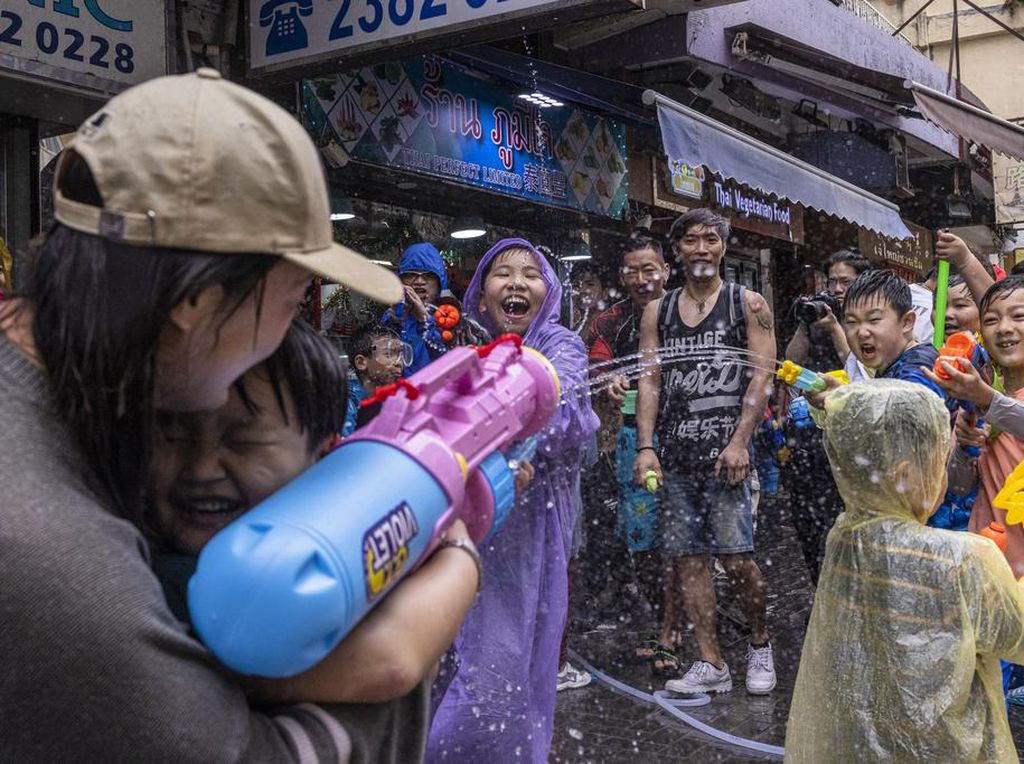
384	392
447	317
958	351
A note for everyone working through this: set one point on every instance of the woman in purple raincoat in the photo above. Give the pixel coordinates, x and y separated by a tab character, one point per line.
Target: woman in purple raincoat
501	704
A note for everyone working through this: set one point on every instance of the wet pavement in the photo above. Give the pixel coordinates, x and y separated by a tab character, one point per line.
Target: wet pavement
599	724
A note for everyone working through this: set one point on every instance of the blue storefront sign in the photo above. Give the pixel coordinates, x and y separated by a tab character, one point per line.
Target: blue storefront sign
286	33
97	45
432	117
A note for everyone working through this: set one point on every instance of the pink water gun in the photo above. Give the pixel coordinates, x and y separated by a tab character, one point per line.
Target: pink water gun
278	589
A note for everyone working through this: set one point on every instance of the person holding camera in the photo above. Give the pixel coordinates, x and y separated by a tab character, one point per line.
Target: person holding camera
820	344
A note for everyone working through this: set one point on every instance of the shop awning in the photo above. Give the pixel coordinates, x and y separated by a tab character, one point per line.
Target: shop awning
606	95
696	139
969	121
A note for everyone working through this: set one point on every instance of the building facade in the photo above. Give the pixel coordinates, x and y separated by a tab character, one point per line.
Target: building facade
992	66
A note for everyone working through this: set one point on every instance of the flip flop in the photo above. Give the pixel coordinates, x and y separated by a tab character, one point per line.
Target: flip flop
670	665
648	646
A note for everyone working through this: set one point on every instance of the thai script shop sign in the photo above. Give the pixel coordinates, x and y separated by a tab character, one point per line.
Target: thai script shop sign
295	31
100	44
1008	179
429	116
913	256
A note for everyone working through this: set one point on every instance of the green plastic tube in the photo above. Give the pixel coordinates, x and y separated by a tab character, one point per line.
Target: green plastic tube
941	288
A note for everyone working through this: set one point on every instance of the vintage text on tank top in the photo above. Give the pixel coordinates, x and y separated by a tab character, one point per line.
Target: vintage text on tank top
701	393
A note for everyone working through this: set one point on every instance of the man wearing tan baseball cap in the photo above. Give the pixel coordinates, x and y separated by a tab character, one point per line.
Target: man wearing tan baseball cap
198	163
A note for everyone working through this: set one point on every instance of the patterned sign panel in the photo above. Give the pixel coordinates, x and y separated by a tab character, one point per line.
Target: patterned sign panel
429	116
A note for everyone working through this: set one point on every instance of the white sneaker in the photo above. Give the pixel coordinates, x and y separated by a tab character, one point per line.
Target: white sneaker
760	670
702	677
571	678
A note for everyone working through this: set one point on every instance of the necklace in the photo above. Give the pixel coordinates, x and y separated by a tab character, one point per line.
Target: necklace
702	301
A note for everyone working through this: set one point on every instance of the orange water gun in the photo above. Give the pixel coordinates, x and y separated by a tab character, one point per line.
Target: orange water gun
447	318
996	532
958	351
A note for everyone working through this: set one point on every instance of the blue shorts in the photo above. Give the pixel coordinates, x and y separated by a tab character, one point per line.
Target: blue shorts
701	514
638	508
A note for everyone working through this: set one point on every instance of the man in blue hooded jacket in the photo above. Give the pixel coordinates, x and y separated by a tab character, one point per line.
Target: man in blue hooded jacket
425	281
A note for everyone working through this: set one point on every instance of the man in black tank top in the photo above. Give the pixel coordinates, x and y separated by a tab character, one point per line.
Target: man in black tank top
713	347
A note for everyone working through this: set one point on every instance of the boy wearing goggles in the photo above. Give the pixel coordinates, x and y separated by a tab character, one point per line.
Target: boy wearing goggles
377	357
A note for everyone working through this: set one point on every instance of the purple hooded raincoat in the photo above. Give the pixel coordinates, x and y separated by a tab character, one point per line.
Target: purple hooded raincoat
501	704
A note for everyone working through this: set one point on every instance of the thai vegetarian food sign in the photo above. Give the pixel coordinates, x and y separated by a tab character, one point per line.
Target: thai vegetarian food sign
432	117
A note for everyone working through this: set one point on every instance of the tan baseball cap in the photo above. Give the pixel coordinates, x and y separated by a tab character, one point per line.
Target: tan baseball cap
198	163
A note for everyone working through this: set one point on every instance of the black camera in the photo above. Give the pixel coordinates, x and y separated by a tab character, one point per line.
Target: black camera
811	309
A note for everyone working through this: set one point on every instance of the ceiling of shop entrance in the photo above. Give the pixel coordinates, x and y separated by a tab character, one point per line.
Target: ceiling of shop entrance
433	195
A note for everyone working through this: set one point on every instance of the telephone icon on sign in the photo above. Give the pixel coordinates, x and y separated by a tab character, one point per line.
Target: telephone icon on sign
287	32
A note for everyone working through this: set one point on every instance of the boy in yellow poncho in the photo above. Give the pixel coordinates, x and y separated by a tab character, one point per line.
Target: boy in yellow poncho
901	659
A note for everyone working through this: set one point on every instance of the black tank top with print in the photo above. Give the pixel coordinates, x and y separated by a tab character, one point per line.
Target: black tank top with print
703	379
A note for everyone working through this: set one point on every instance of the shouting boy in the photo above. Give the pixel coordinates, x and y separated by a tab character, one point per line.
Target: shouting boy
879	321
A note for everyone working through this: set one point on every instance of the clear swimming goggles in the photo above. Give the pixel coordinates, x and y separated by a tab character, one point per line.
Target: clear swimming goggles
389	351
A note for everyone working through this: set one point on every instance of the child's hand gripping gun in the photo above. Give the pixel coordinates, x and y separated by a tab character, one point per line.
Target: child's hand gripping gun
960	351
279	588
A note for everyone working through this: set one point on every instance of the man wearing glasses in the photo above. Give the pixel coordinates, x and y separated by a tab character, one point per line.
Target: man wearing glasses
615	334
425	280
822	346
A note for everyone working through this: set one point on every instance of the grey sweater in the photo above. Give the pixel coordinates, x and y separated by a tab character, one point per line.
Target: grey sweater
93	666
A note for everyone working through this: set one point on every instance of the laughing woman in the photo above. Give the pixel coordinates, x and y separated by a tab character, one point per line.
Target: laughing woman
500	706
190	213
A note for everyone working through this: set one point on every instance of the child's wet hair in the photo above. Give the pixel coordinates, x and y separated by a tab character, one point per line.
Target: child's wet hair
515	247
1001	290
361	343
307	367
879	281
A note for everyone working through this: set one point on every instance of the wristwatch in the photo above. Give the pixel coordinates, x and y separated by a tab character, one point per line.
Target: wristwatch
469	548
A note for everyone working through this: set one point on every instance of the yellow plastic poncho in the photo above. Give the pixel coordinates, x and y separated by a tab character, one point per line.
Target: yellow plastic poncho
901	658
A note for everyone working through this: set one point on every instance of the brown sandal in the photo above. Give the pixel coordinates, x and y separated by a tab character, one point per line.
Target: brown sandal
646	650
670	665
